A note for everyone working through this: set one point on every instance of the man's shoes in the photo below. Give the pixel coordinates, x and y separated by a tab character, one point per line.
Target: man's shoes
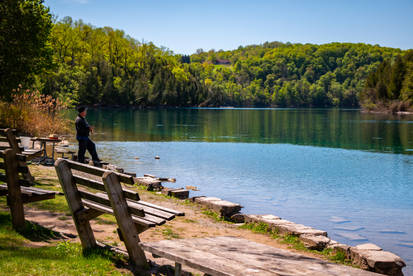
97	164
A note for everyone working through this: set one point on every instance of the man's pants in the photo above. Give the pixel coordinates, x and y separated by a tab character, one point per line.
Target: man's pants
91	148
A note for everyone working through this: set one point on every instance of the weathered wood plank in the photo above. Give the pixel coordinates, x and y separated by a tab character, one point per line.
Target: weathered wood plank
99	207
98	171
97	185
14	196
197	259
38	191
75	204
175	212
149	213
235	256
88	214
125	223
104	200
4	139
37	197
147	210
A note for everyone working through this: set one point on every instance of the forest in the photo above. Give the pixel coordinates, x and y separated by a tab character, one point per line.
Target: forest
390	87
83	64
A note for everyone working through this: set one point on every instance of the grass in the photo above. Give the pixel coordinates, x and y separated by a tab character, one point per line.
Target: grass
295	243
215	216
19	256
169	234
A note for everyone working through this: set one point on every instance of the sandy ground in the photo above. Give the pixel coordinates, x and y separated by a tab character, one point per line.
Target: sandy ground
194	224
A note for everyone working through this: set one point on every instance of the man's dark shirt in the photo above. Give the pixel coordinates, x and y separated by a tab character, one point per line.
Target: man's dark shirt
82	127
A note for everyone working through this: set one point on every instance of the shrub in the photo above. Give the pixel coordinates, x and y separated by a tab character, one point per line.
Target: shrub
33	113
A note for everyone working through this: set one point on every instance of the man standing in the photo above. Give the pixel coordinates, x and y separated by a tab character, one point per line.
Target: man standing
82	135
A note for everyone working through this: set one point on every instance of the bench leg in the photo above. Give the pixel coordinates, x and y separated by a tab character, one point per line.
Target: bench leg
128	230
14	197
75	203
178	269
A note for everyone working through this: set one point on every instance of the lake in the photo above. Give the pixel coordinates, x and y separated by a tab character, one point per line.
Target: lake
338	170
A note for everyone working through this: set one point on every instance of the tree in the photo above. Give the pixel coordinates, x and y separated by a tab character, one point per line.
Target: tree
25	26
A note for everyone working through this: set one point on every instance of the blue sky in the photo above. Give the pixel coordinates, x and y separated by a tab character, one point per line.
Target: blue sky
184	26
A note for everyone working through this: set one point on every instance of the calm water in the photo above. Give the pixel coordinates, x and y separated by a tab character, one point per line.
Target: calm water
348	173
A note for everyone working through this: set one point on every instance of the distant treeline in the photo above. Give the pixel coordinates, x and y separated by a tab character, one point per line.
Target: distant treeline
104	66
390	87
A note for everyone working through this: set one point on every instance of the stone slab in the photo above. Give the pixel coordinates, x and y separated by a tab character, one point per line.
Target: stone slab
379	261
338	219
283	226
368	246
180	193
315	242
224	208
149	182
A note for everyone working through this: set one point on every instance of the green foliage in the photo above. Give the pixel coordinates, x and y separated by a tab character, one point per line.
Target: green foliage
25	27
215	216
391	85
107	67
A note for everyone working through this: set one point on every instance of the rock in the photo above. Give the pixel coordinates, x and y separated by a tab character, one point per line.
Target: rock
371	257
225	208
283	226
157	157
238	218
290	228
338	219
314	242
261	218
180	193
368	246
339	247
152	184
130	173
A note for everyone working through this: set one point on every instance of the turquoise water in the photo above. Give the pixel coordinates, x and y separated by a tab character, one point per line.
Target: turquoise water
342	171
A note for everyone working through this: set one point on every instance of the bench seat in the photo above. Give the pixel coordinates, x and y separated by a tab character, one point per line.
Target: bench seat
30	194
229	256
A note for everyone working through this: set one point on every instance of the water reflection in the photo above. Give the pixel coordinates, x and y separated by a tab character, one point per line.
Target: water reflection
349	129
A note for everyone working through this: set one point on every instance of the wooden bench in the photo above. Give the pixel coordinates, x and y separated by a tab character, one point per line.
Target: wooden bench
8	135
91	192
17	194
63	151
9	140
229	256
